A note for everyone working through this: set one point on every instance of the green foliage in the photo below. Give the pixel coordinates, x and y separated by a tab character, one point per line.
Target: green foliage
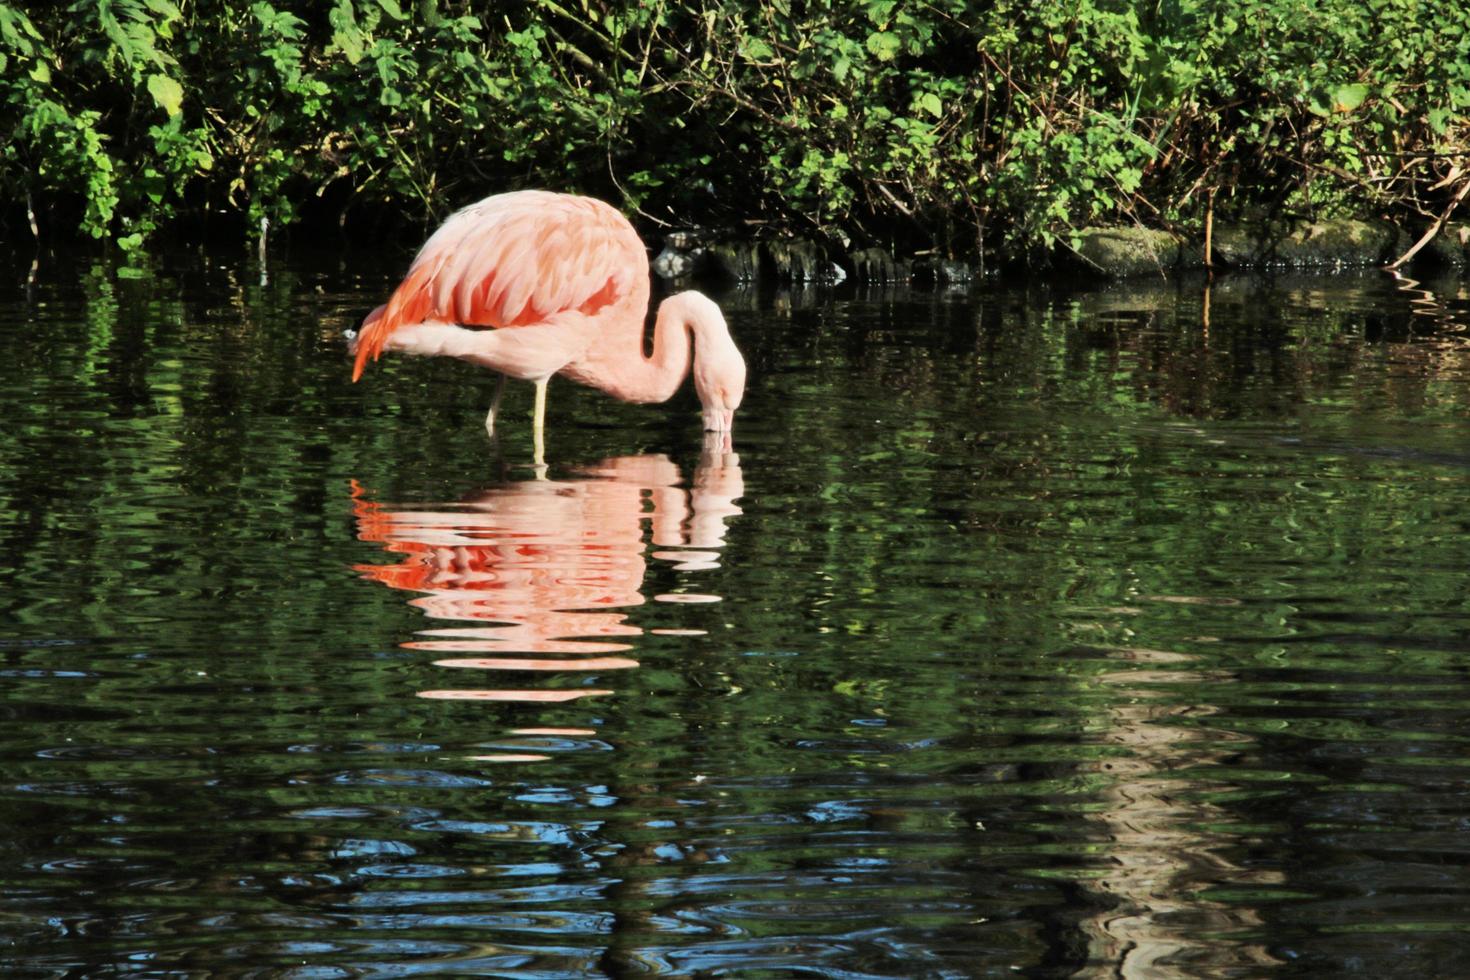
1013	123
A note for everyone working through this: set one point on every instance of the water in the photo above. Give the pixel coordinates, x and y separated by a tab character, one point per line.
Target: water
1061	633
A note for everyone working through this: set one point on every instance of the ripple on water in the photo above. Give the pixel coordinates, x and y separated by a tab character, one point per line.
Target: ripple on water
1037	632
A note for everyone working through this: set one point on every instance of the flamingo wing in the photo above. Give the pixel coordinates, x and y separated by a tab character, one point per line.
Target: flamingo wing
513	260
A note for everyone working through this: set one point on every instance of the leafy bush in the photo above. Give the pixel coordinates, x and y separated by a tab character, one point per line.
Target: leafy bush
962	125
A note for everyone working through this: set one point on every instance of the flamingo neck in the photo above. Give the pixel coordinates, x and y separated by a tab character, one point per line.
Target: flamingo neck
622	369
673	350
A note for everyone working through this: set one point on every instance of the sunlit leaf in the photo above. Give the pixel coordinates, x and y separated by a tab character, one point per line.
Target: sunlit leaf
1346	98
168	93
757	50
349	42
884	46
164	8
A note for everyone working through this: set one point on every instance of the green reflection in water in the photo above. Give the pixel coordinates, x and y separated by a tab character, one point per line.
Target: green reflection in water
1056	631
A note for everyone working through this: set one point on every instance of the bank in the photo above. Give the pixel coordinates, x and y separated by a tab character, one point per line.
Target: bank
1120	252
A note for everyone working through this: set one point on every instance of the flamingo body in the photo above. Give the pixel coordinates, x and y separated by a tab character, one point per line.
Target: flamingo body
532	284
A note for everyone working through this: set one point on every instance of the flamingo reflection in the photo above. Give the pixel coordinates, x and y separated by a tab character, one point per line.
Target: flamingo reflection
545	572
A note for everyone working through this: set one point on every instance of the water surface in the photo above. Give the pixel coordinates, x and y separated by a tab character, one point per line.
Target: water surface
1080	632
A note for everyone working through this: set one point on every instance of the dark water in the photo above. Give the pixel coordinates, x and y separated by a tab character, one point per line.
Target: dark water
1052	633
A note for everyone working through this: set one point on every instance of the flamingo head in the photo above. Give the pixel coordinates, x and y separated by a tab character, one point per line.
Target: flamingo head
719	369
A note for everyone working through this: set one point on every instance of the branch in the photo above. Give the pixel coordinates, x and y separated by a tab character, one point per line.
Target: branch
1434	228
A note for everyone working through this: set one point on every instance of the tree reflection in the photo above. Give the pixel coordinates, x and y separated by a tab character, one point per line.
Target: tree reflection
1164	849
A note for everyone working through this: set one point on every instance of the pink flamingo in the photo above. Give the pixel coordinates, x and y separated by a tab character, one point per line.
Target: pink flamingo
564	280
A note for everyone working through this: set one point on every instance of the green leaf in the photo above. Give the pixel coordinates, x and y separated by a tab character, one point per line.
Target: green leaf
884	46
757	50
164	8
392	9
168	93
153	185
349	42
1346	98
8	32
880	10
116	35
930	103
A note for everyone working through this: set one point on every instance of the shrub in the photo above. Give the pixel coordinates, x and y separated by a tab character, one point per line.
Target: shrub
963	125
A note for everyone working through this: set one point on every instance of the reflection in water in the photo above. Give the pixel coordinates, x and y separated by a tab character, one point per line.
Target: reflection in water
1079	644
1165	846
1423	301
546	570
1166	843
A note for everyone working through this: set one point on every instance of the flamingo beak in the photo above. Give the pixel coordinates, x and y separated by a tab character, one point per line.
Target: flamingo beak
719	419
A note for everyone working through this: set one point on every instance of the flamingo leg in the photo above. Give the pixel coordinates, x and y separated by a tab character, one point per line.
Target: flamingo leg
539	425
495	406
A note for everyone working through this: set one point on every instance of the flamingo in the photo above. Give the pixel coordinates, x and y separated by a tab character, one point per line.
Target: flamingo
564	281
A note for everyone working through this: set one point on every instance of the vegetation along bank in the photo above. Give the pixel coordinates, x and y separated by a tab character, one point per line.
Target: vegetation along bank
963	130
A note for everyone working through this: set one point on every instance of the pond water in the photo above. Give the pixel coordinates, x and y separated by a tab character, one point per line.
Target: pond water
1060	632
